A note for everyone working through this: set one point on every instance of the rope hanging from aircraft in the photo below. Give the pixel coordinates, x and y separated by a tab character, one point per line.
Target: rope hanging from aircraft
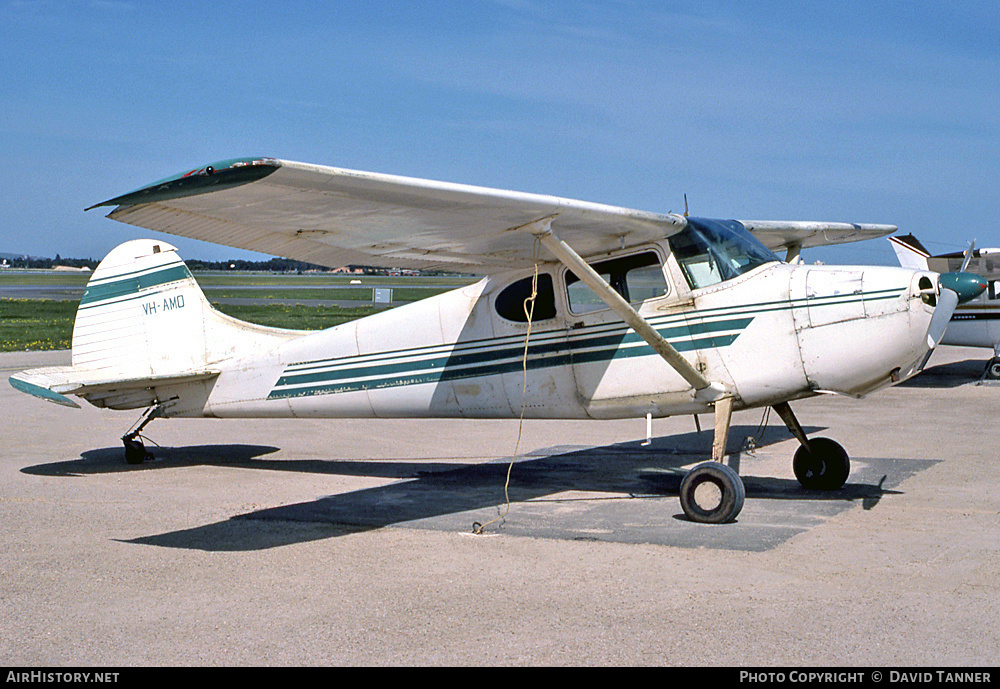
529	312
752	442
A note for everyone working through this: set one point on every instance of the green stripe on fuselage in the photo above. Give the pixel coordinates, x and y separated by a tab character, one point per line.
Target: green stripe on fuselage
562	358
416	366
559	352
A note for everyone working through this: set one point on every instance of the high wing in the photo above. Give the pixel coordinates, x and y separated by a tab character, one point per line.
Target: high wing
334	217
794	236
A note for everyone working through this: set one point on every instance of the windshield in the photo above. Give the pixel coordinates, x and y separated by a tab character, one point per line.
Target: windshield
710	251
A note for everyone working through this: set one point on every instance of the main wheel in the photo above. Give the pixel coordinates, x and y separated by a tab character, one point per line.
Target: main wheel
825	466
712	493
993	368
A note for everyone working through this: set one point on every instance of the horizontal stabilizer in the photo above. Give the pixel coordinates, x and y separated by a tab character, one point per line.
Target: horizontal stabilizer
54	383
26	382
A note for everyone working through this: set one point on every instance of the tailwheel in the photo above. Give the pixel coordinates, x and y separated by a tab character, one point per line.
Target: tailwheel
135	451
712	493
823	466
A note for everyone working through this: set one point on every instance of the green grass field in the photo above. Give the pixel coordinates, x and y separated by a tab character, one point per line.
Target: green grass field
359	294
41	324
296	317
32	324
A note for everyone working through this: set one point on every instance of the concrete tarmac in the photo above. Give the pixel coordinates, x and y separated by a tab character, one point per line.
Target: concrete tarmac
350	542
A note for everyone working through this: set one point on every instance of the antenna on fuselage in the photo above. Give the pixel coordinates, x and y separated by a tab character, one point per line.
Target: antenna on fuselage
685	205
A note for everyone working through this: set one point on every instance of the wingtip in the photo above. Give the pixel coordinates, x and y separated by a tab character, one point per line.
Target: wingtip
220	175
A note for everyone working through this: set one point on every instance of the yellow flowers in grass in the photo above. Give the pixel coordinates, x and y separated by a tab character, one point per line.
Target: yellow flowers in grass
36	324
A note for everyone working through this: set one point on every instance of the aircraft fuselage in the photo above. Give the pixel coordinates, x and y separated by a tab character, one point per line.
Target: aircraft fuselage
776	333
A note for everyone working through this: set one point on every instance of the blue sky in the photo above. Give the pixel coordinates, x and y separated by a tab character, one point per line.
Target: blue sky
885	112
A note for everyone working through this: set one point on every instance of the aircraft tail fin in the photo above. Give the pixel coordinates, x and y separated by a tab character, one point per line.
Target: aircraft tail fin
910	252
137	303
144	323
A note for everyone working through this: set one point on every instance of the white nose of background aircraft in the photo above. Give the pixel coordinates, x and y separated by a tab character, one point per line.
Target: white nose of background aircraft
585	311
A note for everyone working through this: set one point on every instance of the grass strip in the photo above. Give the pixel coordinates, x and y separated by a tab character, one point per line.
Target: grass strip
295	317
45	324
36	324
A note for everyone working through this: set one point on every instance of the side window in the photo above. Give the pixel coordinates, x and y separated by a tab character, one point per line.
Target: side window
637	278
510	303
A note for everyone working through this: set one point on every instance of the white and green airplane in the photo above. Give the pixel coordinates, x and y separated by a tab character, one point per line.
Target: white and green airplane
586	311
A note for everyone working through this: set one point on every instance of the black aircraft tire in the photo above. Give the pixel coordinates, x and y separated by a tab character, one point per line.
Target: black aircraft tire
712	493
135	452
993	369
825	466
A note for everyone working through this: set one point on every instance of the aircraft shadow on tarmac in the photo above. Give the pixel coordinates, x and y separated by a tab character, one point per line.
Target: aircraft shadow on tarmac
617	493
950	375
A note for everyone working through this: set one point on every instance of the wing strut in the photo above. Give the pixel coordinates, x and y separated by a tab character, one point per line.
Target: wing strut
793	253
565	253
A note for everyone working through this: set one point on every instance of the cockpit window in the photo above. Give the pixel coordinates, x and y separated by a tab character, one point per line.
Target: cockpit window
637	278
510	302
710	251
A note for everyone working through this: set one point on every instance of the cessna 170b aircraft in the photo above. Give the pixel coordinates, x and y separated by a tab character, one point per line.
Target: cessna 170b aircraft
585	311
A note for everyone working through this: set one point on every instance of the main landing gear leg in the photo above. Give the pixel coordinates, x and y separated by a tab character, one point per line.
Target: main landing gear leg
712	492
820	463
135	451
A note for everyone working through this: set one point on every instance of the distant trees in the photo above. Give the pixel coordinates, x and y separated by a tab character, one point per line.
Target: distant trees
38	262
275	265
278	265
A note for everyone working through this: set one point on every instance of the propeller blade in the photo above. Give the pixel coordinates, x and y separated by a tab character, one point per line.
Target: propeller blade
955	289
946	303
968	256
